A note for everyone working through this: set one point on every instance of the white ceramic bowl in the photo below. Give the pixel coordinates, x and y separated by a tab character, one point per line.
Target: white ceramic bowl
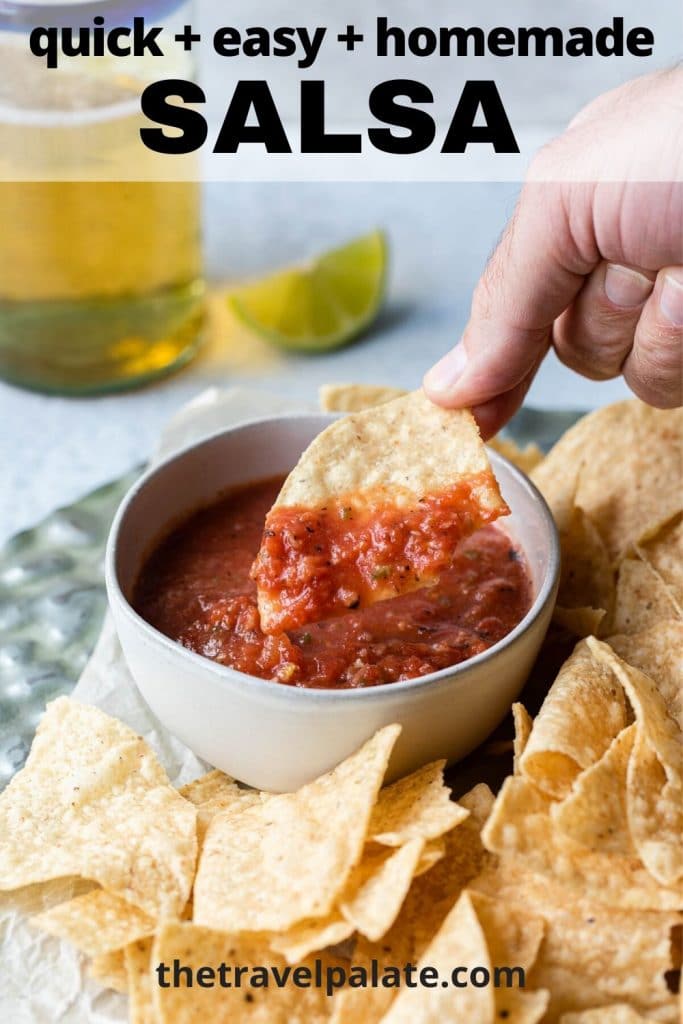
278	737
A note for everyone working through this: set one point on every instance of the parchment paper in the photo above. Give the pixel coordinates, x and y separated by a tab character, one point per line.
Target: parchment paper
42	980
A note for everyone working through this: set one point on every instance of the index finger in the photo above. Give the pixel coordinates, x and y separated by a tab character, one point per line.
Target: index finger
535	273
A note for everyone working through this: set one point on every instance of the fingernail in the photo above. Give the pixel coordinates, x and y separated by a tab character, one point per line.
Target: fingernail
626	287
671	300
445	374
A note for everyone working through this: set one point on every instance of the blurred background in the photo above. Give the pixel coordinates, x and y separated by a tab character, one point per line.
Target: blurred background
540	94
53	448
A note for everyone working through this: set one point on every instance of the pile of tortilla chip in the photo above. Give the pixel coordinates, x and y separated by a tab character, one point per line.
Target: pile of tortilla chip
346	873
567	887
614	483
588	830
216	873
587	834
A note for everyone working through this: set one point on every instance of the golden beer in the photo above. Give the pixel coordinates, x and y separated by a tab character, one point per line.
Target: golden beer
100	264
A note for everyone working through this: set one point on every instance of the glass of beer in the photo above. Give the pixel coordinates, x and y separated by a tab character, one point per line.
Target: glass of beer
100	256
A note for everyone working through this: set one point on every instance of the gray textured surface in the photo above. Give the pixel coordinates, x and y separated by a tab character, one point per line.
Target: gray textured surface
52	603
54	450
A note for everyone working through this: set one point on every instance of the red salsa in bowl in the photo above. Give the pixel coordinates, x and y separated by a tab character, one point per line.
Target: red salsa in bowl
196	588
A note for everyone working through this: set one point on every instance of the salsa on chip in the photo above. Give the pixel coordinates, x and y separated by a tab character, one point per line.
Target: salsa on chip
374	509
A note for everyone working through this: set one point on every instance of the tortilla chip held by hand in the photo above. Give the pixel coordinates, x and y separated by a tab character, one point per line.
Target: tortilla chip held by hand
374	509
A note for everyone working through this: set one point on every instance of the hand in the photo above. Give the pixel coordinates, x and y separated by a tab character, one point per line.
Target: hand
591	264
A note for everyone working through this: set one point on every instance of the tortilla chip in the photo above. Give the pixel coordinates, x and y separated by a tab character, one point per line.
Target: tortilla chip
378	886
586	580
525	459
461	941
409	446
96	923
587	577
523	726
197	947
356	397
418	806
622	465
369	903
432	853
429	900
557	478
650	586
308	937
288	857
594	813
93	800
618	1013
649	707
383	463
591	953
478	802
109	970
513	941
583	712
35	899
652	674
138	961
664	552
213	793
475	934
655	813
520	827
515	1006
433	894
582	622
642	598
658	652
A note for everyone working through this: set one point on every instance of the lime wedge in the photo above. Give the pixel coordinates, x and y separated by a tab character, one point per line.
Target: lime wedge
321	304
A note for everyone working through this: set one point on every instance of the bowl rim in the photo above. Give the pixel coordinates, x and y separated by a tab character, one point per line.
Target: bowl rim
271	688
